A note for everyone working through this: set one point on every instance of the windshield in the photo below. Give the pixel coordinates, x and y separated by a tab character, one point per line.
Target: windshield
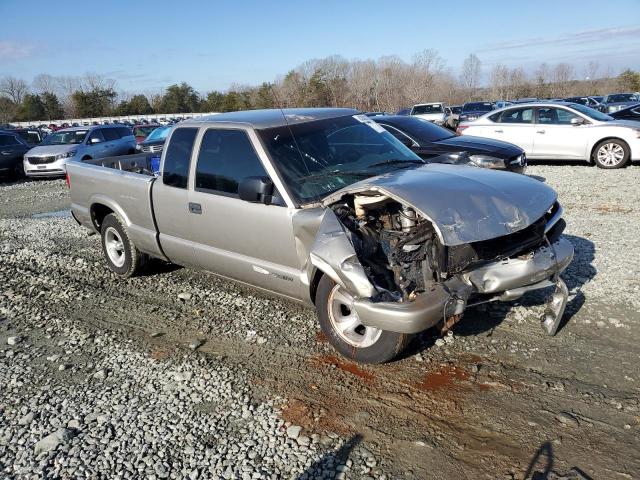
143	131
422	109
30	137
159	133
73	137
318	158
621	97
477	107
591	113
420	129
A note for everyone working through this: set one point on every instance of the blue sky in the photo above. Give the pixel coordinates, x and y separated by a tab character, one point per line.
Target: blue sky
147	45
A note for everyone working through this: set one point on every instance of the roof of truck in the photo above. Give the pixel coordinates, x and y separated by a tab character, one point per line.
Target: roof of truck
274	117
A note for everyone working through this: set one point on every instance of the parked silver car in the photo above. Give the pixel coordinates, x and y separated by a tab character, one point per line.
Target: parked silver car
78	143
326	207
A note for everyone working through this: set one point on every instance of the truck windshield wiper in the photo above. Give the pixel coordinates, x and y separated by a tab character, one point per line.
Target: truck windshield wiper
396	162
333	173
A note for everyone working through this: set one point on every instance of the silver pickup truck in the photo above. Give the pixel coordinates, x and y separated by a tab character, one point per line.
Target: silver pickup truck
325	207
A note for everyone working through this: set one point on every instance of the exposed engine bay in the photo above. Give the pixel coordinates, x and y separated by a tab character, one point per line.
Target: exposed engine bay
402	254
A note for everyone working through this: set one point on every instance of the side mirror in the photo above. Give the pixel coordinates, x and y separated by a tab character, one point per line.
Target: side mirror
575	121
256	190
93	140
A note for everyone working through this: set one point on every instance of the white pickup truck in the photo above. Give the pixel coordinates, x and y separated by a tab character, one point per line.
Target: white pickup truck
326	207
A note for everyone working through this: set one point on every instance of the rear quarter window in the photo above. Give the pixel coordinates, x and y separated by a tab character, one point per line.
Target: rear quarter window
175	171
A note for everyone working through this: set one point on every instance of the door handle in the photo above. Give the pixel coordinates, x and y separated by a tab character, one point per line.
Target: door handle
498	131
195	208
539	131
6	153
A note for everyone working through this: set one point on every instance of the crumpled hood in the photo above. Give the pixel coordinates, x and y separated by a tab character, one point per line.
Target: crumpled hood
44	150
465	204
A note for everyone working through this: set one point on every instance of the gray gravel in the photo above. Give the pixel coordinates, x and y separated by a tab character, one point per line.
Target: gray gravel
84	395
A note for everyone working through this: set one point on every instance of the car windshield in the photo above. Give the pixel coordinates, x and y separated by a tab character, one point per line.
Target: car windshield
73	137
591	113
160	133
477	107
420	129
30	137
320	157
143	131
422	109
621	97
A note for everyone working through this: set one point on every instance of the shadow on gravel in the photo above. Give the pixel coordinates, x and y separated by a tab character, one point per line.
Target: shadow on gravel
339	457
156	267
486	317
541	467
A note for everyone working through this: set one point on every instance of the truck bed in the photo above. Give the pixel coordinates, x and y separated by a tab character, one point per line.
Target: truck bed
119	184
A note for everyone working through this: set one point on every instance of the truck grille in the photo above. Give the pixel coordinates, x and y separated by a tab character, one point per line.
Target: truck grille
41	160
152	148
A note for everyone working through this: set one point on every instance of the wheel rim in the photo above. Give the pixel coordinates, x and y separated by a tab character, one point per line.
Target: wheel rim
610	154
345	320
114	247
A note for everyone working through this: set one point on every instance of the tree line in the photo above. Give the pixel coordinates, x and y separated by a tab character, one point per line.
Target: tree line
386	84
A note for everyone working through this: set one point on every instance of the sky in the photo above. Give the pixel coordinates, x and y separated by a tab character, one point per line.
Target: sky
147	45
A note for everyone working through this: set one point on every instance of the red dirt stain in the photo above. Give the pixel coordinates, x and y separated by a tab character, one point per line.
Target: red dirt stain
299	413
321	337
445	378
345	366
159	354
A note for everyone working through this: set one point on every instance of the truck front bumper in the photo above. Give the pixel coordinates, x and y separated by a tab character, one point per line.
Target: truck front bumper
498	281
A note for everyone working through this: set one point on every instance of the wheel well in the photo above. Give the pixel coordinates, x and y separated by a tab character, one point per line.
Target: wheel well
593	150
98	212
313	285
86	157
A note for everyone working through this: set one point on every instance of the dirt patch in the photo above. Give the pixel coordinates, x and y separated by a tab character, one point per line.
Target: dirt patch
447	377
612	209
345	366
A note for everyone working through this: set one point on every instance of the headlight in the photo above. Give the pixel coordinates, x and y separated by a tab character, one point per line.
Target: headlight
70	153
486	161
138	147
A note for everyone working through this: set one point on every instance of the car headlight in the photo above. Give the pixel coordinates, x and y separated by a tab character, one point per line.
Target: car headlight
70	153
487	161
138	147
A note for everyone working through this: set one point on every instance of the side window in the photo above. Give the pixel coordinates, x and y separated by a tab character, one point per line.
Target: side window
175	171
124	131
7	140
95	134
110	134
554	116
516	115
226	157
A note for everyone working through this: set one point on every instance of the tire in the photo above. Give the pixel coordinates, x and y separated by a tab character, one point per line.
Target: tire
362	344
611	153
123	258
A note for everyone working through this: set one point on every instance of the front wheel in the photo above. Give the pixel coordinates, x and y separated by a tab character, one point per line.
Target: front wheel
340	323
611	154
121	254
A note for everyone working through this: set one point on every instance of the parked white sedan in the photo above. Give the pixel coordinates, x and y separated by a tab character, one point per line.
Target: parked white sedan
561	131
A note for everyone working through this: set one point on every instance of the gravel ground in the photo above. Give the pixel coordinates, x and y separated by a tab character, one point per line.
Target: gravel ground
178	374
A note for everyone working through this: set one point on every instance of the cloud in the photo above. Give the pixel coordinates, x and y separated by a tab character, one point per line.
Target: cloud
568	39
10	50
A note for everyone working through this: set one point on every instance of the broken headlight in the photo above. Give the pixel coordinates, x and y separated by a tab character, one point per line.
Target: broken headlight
487	161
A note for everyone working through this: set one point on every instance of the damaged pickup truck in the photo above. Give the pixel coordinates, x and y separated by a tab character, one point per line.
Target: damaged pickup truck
325	207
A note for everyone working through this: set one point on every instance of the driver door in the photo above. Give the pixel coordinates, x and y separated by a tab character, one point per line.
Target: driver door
250	242
96	144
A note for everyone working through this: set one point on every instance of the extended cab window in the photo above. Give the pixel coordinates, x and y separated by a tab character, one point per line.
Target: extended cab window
226	157
175	171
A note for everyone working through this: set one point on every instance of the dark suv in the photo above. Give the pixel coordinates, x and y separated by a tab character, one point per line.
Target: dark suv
12	149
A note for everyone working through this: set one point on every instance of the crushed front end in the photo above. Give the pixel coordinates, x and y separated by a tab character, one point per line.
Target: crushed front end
404	278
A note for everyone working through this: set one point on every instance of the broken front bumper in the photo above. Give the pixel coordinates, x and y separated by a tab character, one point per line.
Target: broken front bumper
503	280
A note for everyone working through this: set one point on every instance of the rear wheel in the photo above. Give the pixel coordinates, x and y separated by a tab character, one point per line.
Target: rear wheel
342	326
121	254
611	153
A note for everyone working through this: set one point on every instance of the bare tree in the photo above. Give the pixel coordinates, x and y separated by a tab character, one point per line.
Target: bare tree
591	75
470	75
45	83
14	88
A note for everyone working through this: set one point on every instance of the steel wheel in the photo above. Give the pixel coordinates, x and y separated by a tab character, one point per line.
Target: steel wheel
610	154
114	246
345	321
